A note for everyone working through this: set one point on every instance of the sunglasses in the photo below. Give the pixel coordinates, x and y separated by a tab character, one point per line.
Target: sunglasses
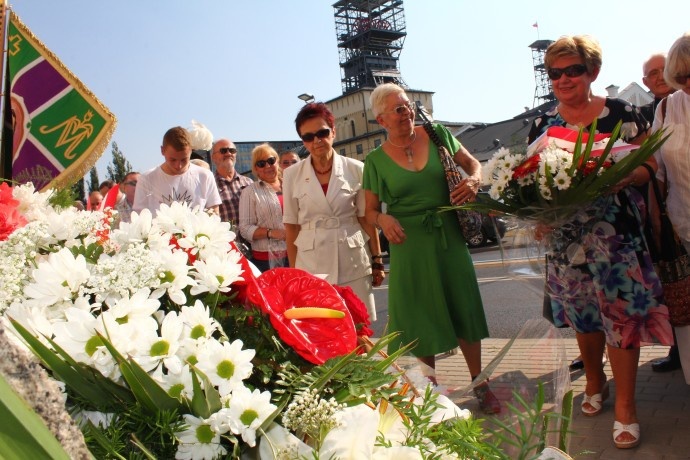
225	150
402	109
681	79
133	183
269	161
571	71
288	162
321	134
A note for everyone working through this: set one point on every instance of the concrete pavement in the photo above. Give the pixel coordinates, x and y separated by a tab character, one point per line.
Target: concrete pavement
663	399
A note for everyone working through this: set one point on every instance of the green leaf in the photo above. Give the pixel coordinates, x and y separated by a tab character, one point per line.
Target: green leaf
64	371
24	435
146	390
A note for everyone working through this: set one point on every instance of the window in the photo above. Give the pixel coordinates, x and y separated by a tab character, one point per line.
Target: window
377	143
360	149
342	152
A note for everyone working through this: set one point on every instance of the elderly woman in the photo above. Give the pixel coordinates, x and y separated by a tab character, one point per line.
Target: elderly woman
433	295
600	275
324	211
674	160
261	215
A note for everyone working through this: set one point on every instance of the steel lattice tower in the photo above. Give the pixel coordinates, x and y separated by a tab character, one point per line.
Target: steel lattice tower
543	92
370	37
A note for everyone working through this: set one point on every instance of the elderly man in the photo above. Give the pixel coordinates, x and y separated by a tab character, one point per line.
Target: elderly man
230	183
653	78
288	158
125	197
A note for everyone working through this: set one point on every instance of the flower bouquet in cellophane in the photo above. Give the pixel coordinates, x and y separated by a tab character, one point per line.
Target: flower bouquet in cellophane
561	172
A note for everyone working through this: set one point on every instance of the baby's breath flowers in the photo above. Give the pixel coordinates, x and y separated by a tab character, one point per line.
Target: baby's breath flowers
309	414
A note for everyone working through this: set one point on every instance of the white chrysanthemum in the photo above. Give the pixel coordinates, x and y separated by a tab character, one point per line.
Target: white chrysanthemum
226	365
33	319
58	279
562	180
163	348
78	336
205	235
141	229
217	273
248	410
138	307
198	441
177	384
174	218
32	204
174	276
198	322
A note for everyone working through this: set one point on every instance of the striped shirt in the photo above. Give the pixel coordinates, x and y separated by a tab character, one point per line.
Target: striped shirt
260	207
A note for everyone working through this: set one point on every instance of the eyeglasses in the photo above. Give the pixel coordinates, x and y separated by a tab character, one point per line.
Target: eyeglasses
288	162
402	109
268	161
571	71
321	134
133	183
681	79
225	150
656	73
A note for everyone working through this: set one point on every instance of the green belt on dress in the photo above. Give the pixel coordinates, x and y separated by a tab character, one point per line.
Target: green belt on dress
430	221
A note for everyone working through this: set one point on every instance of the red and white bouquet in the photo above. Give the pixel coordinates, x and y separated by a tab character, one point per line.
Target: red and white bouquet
561	172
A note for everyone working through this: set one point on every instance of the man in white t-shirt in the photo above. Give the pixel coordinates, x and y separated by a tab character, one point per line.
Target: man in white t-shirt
176	179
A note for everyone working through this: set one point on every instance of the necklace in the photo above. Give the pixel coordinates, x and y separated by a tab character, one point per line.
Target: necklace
409	153
323	173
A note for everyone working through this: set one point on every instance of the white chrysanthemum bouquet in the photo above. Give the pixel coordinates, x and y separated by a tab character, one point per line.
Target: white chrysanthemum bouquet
161	359
560	173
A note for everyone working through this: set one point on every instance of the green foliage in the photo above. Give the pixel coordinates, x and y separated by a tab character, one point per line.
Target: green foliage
24	434
78	190
94	182
120	166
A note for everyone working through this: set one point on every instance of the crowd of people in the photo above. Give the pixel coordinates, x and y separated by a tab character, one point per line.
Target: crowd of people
323	214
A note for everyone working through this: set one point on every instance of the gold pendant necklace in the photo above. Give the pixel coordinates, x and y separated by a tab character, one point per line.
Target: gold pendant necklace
409	153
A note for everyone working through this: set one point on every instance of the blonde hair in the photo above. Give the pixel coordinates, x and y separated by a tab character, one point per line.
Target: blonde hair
582	46
678	61
260	151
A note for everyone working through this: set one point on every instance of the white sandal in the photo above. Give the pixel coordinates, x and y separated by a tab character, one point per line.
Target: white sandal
633	430
596	401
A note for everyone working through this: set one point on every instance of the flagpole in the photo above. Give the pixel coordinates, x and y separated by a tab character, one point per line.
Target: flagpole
536	25
7	128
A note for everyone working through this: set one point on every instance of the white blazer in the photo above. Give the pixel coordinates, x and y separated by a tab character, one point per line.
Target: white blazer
330	241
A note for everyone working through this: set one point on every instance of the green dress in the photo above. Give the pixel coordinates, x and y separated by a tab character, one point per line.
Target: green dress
433	295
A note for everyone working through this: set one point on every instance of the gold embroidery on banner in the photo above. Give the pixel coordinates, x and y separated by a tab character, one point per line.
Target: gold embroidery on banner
74	131
14	40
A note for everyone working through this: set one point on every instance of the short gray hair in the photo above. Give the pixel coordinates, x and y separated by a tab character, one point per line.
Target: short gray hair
377	99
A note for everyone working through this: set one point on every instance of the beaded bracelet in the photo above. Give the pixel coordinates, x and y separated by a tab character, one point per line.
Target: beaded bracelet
377	256
377	266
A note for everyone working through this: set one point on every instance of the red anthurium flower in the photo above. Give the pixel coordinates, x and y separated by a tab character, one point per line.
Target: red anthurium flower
360	315
315	339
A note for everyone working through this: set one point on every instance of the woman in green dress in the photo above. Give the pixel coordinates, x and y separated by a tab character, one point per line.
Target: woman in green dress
433	296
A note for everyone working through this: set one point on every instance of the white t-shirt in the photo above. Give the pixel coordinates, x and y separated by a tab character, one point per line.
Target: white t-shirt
196	187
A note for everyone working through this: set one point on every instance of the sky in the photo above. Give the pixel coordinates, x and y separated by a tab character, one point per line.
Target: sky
238	66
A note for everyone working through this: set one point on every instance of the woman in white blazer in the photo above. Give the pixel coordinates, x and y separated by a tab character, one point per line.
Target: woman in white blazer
326	232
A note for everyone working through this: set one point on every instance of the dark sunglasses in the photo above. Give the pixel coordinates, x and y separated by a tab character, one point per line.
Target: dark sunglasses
321	134
681	79
571	71
288	162
225	150
133	183
262	163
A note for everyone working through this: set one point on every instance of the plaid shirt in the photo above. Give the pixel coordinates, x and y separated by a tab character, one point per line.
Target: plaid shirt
230	191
